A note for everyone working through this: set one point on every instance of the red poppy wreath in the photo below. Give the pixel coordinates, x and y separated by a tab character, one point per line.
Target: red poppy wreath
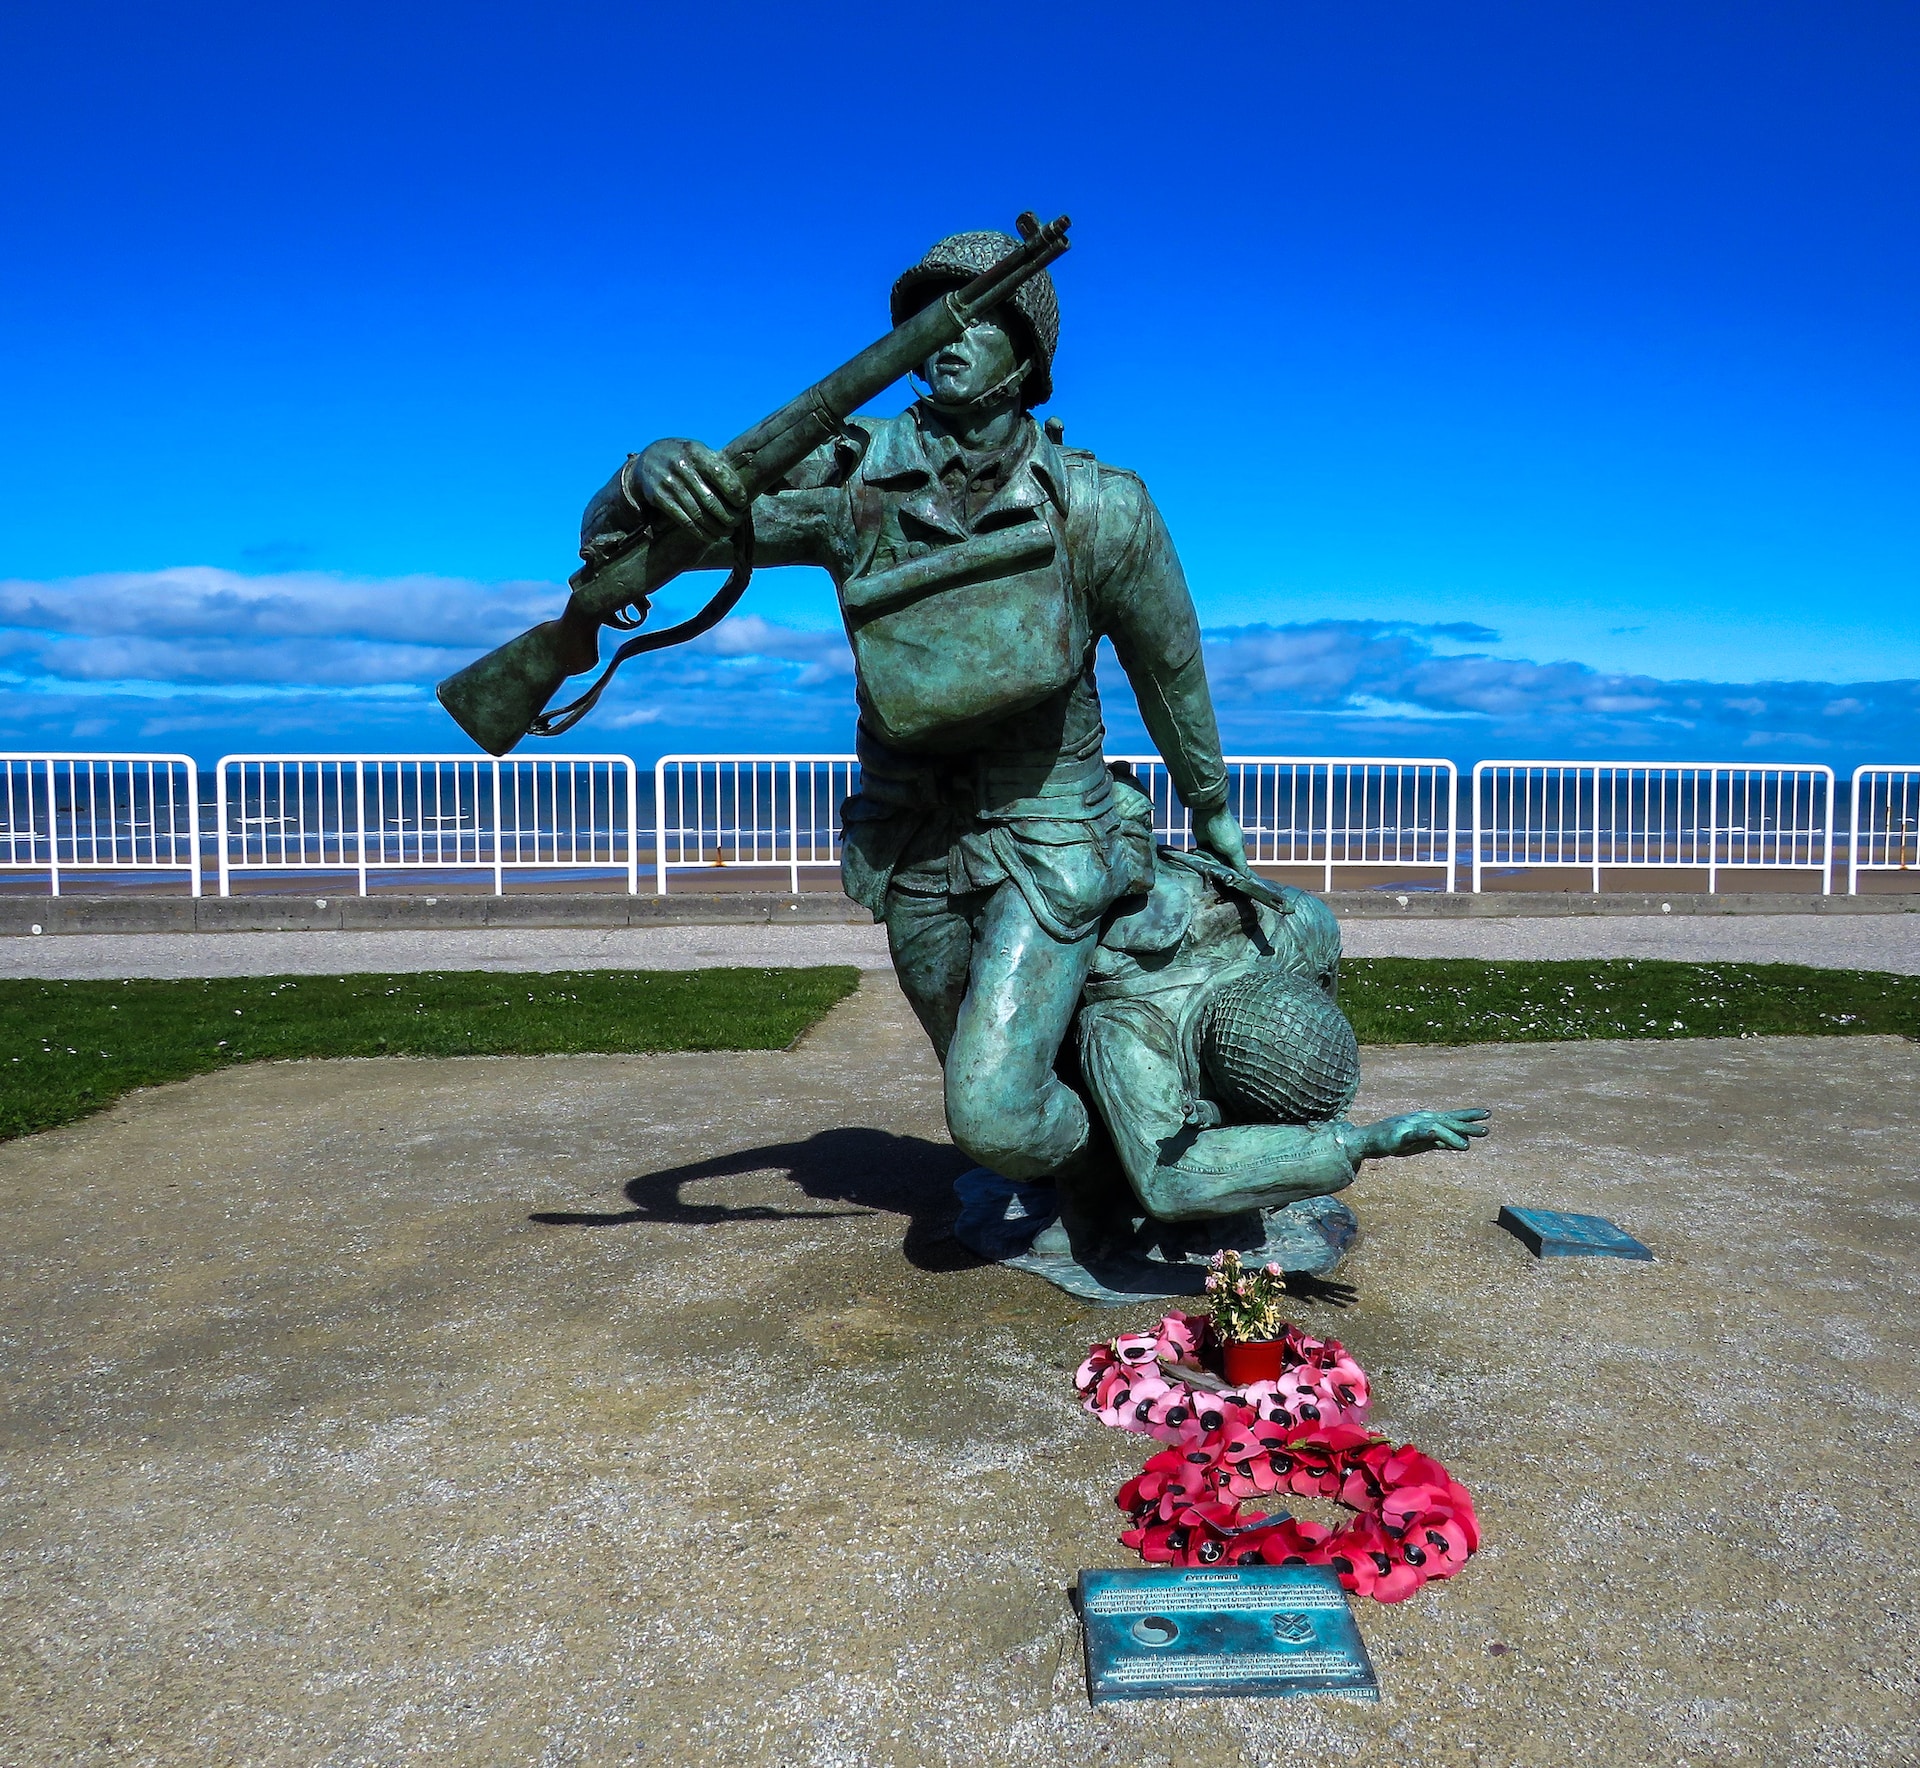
1301	1434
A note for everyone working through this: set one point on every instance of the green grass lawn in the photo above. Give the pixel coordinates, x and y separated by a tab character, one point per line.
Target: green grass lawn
1470	1001
68	1048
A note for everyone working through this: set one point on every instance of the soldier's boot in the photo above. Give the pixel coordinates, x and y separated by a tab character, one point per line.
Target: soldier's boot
1099	1215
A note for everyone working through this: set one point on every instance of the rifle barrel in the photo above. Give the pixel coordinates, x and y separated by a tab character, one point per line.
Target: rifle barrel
779	442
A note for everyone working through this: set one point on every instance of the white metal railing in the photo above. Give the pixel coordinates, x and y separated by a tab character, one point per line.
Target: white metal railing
782	811
1883	826
451	813
1607	815
749	810
1326	811
66	812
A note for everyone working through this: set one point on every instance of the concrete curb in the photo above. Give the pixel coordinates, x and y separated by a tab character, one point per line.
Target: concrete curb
330	914
1496	905
338	914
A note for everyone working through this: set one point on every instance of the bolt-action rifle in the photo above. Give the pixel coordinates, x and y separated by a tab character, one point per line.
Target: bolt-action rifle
503	696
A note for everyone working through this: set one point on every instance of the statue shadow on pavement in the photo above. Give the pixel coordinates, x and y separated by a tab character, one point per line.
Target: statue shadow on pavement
877	1171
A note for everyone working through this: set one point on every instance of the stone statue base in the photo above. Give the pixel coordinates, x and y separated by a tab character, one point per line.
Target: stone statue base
1000	1220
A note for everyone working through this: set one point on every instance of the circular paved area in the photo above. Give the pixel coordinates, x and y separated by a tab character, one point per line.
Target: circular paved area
617	1410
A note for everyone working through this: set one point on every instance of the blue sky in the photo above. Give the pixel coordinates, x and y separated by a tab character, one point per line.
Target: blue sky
1515	379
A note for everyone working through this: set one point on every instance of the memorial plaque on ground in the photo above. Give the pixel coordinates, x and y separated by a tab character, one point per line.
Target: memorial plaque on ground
1234	1630
1554	1233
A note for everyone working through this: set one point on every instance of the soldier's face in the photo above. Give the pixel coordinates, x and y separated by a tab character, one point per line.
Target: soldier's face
974	363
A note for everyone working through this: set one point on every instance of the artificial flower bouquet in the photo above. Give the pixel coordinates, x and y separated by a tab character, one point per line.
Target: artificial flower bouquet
1245	1304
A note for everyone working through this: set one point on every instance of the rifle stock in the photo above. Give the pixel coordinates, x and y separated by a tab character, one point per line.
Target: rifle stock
502	697
495	699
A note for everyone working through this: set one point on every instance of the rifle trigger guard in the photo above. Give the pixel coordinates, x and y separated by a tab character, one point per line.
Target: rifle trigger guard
553	724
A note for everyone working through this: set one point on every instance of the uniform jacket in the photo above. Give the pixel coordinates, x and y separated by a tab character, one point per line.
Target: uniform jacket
976	590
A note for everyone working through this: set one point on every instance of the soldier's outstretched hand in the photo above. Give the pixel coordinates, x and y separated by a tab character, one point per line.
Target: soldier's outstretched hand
691	483
1218	831
1419	1131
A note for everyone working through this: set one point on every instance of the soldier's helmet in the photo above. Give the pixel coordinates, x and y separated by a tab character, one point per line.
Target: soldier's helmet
954	263
1275	1049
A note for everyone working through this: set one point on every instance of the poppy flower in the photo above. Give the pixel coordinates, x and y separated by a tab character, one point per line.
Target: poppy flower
1249	1479
1220	1411
1293	1542
1407	1466
1113	1403
1179	1337
1444	1539
1170	1480
1194	1537
1142	1391
1360	1487
1172	1410
1100	1359
1138	1350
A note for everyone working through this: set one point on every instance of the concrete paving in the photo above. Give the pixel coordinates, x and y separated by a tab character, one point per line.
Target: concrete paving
1865	942
613	1410
672	947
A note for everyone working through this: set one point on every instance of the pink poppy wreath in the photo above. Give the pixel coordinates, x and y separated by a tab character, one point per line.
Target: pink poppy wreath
1157	1383
1414	1521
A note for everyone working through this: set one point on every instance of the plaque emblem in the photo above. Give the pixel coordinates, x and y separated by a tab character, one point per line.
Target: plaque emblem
1293	1628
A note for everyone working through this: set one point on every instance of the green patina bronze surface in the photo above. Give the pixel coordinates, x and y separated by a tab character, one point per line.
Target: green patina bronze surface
979	562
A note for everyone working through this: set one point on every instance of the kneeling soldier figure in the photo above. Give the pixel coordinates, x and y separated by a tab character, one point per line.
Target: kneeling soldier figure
979	563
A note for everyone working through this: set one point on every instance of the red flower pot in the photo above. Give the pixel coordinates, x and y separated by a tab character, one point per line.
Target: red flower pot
1243	1364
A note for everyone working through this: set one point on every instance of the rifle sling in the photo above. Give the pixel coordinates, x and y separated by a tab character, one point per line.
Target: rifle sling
551	724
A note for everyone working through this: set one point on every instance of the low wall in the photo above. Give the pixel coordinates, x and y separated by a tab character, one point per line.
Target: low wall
29	915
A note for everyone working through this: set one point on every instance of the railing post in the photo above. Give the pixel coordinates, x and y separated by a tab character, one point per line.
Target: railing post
660	827
359	819
633	826
1713	826
1595	850
193	824
1453	829
1853	832
1826	869
53	833
1475	787
793	819
220	823
1329	848
500	821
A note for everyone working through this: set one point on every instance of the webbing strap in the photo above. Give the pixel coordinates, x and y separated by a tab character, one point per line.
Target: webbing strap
551	724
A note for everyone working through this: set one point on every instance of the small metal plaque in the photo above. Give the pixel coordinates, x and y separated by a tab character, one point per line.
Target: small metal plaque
1553	1233
1243	1630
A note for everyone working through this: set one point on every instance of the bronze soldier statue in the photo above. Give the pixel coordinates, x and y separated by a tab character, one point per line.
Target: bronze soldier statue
979	563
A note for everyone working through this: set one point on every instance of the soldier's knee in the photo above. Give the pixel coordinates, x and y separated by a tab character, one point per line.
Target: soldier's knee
1020	1132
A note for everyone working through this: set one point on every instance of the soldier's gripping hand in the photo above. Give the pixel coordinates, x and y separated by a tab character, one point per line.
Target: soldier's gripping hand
691	483
1219	833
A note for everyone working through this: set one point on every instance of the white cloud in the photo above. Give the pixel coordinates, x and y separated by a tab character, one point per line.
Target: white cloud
196	624
201	658
1275	679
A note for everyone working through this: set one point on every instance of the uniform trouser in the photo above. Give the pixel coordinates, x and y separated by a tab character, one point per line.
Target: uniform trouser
996	994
